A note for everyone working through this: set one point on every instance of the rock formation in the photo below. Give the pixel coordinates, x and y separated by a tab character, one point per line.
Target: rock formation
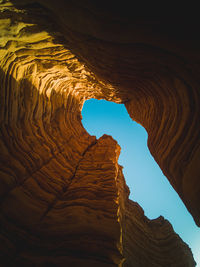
64	201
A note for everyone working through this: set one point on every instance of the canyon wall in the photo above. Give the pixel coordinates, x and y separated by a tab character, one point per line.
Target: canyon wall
64	200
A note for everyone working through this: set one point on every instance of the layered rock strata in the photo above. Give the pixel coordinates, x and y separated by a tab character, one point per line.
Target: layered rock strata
63	196
152	62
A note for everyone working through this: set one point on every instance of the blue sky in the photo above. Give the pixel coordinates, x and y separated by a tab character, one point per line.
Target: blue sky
148	186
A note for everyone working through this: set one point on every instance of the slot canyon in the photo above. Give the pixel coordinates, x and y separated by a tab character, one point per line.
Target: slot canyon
63	197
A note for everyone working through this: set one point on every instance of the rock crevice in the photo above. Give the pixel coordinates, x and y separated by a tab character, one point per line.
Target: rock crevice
63	195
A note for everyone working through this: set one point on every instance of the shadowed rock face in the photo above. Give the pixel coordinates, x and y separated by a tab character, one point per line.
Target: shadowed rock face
64	201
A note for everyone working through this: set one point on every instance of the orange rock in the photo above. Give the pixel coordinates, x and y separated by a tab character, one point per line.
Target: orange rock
64	201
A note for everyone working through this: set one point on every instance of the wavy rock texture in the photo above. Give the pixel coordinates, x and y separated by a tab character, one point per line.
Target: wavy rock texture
64	201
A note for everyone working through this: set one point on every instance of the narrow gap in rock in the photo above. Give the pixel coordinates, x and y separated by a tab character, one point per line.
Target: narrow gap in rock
148	186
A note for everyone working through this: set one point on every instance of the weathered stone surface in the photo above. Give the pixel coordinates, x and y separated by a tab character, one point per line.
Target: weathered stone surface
150	242
63	198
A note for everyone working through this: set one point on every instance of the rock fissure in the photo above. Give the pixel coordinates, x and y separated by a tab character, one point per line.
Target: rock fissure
64	189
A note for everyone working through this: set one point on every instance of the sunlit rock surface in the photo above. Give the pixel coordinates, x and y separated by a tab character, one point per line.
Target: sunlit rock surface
63	197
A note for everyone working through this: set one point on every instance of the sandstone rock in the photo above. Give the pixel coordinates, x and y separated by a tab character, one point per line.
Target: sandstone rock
64	201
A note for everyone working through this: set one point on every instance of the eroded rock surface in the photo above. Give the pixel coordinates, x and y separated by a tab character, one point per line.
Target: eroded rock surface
64	201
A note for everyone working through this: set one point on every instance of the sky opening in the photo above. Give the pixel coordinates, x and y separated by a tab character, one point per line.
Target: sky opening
148	186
